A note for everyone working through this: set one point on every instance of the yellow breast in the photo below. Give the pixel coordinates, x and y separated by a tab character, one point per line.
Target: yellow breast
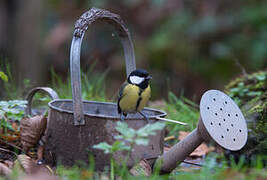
145	95
130	96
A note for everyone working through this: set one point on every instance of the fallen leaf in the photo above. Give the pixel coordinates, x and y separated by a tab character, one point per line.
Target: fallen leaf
4	169
182	135
31	130
165	149
15	126
39	176
10	137
26	163
202	150
9	163
40	152
87	174
142	168
29	166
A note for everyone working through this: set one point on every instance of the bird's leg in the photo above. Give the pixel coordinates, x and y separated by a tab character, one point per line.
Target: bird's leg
142	114
122	117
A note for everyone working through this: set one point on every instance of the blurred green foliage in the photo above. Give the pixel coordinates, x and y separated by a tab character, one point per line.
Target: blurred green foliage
186	45
212	169
93	87
250	93
132	137
12	110
3	76
10	88
181	109
190	42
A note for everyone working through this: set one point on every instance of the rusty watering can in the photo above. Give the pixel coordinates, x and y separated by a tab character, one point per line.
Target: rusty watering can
29	97
221	121
76	125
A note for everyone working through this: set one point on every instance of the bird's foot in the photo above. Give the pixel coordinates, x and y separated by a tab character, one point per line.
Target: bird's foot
123	116
147	119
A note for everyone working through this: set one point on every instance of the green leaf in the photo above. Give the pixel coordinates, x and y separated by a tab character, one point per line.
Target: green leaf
103	146
150	129
3	104
116	146
254	93
126	132
2	113
45	99
261	77
122	127
235	90
118	137
119	146
241	84
3	76
142	141
7	125
13	109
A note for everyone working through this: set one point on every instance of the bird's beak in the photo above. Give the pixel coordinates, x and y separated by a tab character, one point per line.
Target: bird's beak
149	77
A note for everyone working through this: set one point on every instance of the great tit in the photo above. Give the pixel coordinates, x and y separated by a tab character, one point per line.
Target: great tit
134	93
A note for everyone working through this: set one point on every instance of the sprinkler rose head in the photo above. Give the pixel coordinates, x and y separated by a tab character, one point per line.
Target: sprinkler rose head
222	121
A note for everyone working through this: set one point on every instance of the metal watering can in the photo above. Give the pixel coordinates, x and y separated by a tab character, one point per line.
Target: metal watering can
76	125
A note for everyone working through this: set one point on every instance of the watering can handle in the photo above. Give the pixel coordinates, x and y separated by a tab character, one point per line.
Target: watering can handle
81	26
53	95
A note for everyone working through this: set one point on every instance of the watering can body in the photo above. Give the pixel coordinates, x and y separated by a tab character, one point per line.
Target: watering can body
68	144
76	125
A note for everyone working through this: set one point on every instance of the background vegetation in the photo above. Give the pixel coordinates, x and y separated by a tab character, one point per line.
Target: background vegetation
188	46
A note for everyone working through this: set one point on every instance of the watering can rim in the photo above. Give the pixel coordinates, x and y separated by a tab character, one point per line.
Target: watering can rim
50	104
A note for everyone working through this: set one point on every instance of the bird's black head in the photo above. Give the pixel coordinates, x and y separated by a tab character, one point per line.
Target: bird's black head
140	78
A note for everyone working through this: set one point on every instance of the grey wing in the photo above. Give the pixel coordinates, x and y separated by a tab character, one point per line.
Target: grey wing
120	96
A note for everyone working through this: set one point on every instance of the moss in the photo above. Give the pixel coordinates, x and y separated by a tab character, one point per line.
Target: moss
250	93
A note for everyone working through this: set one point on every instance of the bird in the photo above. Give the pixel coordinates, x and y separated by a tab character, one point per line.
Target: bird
134	93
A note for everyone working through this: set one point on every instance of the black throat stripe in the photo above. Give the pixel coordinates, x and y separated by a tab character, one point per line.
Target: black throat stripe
139	98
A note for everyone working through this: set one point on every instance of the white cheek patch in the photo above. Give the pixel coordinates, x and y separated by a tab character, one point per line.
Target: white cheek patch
136	79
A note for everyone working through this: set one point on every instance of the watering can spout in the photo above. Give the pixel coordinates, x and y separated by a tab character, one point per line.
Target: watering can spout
169	160
220	120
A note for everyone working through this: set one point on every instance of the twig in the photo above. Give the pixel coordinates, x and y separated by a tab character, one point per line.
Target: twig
192	163
149	158
169	138
12	145
6	150
244	72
